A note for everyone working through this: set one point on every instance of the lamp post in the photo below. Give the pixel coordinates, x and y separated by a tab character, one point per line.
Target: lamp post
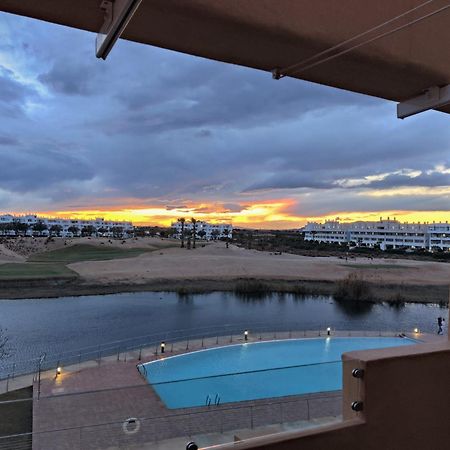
328	331
246	335
163	347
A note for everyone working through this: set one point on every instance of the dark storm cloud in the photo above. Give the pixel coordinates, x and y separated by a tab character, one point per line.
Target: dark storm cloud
72	78
336	201
40	168
292	180
14	94
198	93
435	179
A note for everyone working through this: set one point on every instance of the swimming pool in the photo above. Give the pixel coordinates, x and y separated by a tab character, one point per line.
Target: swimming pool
257	370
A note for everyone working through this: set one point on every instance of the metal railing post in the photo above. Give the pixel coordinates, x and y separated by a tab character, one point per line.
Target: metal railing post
41	360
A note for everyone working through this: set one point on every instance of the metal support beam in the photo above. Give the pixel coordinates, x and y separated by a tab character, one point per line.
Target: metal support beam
117	15
432	98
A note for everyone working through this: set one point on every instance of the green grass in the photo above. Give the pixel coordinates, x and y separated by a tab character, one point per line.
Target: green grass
85	252
375	266
34	271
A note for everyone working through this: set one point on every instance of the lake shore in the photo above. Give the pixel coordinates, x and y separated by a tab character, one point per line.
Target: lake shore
250	288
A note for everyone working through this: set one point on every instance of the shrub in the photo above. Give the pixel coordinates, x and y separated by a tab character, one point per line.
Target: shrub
354	288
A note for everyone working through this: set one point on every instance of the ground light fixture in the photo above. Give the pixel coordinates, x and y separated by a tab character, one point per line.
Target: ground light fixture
58	371
416	330
163	347
246	335
328	331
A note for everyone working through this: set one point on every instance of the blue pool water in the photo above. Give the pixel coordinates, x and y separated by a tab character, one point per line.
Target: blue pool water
253	371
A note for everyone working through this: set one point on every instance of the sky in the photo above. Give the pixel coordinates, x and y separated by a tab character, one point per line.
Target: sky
150	135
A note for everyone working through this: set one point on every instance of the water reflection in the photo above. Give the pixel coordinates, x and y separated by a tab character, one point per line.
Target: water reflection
354	308
396	304
185	298
249	297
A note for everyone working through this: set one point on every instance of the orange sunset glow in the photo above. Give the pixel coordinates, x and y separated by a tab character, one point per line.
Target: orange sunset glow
264	215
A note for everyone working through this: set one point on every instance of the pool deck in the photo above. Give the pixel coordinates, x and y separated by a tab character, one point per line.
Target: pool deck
89	402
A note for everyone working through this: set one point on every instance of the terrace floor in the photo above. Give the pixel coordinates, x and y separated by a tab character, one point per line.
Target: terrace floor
86	406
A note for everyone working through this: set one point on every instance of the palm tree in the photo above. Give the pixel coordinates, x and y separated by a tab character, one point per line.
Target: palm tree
173	232
55	230
20	227
102	230
39	227
117	232
89	230
74	230
226	232
194	231
182	220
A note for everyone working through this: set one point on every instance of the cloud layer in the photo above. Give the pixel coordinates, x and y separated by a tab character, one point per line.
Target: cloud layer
154	128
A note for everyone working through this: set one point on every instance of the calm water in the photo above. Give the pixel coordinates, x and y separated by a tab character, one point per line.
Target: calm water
68	324
256	370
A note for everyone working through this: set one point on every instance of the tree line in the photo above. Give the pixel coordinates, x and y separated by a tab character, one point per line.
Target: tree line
21	229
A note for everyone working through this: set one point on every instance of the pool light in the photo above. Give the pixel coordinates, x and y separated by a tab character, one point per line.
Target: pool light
246	335
163	347
328	331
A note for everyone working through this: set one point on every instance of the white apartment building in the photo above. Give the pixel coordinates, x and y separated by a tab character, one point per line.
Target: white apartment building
387	234
205	230
32	225
439	236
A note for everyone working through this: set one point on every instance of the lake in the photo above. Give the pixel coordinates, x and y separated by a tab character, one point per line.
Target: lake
67	324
